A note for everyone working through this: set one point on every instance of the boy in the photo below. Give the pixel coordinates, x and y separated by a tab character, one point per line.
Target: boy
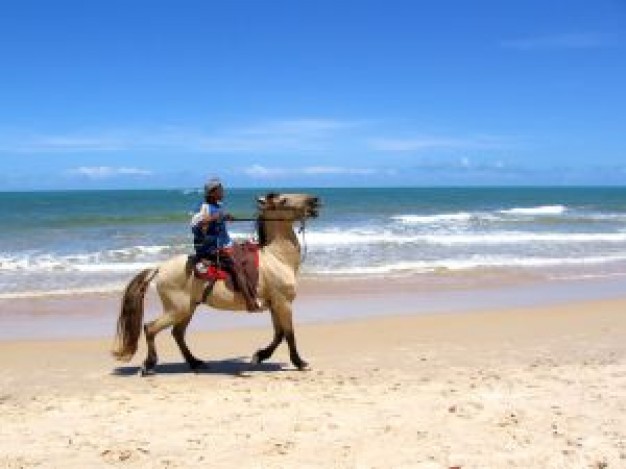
211	238
208	225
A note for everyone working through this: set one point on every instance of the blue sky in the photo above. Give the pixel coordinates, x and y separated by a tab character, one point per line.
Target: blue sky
276	93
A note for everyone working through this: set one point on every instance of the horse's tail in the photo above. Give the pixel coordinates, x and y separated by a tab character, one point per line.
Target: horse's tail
131	315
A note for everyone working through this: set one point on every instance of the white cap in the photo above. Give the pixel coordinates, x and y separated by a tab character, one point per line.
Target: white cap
212	184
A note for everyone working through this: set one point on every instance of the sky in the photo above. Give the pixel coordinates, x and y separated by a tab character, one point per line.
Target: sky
325	93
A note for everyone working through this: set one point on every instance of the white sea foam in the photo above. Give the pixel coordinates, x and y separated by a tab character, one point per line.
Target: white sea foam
433	219
360	237
541	210
113	260
112	267
522	237
134	250
607	217
128	259
448	233
348	237
68	264
511	215
475	262
92	284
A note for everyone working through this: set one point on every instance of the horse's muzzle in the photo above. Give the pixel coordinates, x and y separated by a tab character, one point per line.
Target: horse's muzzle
313	207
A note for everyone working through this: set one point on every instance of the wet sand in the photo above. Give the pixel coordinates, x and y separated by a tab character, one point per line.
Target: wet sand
319	300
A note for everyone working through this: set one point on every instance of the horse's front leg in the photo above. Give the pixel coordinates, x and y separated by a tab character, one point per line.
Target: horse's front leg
178	331
284	312
265	353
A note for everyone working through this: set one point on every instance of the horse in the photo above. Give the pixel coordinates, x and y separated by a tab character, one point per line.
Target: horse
180	291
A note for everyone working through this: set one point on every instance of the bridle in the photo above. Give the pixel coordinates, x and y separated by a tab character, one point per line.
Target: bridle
302	230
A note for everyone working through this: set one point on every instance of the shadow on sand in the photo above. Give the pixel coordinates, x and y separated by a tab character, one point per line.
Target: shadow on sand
233	367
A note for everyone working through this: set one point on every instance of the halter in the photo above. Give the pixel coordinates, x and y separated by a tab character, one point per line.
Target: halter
258	219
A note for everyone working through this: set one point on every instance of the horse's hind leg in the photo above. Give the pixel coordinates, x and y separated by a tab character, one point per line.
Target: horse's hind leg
263	354
178	331
151	329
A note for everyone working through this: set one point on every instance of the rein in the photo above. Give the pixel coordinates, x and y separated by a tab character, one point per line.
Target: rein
304	245
302	230
260	218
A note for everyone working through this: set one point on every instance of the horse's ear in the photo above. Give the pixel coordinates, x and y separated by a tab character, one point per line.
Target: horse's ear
269	201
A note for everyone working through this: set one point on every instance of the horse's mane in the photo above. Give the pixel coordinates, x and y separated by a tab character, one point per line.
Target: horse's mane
261	232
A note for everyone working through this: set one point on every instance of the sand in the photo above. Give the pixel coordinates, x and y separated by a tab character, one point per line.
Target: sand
532	387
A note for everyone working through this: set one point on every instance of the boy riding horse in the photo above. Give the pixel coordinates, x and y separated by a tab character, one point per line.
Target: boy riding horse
212	241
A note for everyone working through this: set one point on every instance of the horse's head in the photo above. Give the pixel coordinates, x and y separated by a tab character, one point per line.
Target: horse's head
288	207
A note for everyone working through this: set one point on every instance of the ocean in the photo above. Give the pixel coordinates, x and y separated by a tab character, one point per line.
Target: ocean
69	242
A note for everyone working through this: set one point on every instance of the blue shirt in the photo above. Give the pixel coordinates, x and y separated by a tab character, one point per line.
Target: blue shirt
217	228
216	232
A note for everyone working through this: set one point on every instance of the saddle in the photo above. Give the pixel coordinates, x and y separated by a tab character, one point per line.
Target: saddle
238	268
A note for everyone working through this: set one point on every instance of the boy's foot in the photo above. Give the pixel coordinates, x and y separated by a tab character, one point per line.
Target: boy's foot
201	268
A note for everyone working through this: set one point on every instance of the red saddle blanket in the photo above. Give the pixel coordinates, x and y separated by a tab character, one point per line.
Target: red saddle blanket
205	271
244	255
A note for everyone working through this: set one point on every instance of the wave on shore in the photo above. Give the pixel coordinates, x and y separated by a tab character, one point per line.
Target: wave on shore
361	232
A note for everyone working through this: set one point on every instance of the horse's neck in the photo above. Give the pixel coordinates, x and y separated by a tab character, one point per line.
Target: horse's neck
282	243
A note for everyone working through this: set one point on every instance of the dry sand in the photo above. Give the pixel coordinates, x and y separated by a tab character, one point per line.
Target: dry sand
530	388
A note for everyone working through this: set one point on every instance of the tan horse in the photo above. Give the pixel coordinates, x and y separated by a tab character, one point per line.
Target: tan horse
181	292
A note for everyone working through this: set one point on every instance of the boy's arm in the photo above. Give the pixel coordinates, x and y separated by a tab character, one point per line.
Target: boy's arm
208	217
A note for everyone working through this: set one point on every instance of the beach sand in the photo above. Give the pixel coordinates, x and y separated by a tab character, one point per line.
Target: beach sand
532	387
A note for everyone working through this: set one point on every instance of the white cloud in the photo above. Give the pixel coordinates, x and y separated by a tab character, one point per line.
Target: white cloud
412	144
315	170
462	164
299	127
104	172
303	134
559	41
63	144
80	143
421	143
258	171
263	172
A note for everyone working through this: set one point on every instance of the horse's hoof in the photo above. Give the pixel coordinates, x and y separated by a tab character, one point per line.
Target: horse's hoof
302	366
198	365
146	372
260	356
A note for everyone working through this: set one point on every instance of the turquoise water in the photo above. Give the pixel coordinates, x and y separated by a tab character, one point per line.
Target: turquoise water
96	240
